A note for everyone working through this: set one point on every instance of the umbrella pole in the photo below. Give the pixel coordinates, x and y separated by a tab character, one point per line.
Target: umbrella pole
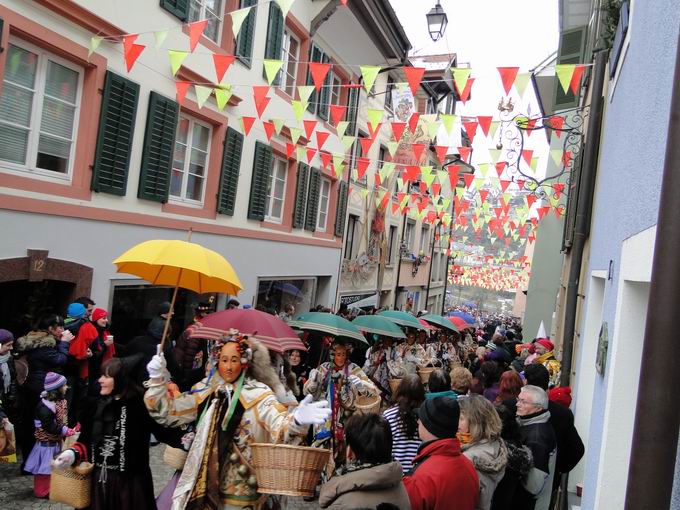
172	310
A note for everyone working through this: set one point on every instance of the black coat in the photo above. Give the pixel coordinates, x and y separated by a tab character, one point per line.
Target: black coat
44	354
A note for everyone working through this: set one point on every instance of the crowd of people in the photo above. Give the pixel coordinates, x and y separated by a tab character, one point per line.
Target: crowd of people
468	419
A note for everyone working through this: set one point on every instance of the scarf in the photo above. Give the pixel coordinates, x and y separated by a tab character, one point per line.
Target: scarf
545	357
464	437
4	371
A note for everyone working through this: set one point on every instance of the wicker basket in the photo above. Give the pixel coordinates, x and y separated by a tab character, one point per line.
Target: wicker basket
72	486
175	457
288	470
424	374
394	384
367	405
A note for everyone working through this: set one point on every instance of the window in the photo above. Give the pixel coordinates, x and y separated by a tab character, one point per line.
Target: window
388	93
290	56
324	196
450	105
425	239
443	266
435	268
210	10
39	111
409	237
190	160
391	245
357	153
336	87
276	191
352	242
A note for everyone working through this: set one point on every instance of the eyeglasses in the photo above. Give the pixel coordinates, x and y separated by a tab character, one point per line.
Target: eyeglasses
526	402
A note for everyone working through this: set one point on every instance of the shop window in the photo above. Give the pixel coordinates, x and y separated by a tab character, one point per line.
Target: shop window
274	294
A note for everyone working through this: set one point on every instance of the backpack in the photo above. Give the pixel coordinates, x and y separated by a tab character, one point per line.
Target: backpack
21	369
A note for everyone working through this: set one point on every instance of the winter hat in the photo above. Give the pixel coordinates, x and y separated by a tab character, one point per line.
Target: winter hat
6	336
76	310
546	343
54	381
99	314
561	395
164	308
440	416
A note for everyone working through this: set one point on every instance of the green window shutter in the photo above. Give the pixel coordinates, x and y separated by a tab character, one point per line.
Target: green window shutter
116	129
179	8
313	199
315	55
159	145
300	195
231	165
325	94
572	46
351	114
274	36
341	209
262	167
246	36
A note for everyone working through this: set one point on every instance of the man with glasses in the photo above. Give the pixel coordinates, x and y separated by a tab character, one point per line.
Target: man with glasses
537	433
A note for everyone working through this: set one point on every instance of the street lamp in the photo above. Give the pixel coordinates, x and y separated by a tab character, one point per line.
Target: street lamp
437	21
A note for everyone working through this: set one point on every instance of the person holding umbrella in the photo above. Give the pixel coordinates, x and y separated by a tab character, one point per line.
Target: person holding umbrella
341	382
412	354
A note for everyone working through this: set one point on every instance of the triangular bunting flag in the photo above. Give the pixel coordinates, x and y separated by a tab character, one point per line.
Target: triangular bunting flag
195	32
181	88
341	128
278	125
271	69
176	58
237	19
285	5
298	109
398	130
290	149
321	137
268	129
94	44
392	147
374	117
202	94
132	50
295	134
448	121
461	75
470	129
465	94
413	76
222	63
373	131
246	124
465	153
564	74
418	149
366	144
521	83
337	113
362	166
485	123
500	167
311	152
309	128
305	92
527	154
369	74
441	151
347	142
222	96
318	71
413	122
508	75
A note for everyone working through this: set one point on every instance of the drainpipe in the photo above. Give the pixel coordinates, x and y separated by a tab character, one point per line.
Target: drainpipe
657	414
429	273
396	288
583	213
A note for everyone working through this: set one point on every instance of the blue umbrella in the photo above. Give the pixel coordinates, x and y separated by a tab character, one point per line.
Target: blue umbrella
463	315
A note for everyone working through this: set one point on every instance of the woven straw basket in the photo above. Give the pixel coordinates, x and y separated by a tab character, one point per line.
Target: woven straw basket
367	405
175	457
424	374
71	486
394	384
288	470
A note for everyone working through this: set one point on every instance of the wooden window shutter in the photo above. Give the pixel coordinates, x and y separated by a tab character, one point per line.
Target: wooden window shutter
300	195
351	114
262	167
341	209
178	8
572	202
315	55
231	165
572	46
313	199
246	36
116	130
325	94
274	34
159	145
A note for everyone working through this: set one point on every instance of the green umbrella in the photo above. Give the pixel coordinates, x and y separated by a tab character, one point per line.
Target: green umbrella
378	325
327	323
402	318
440	321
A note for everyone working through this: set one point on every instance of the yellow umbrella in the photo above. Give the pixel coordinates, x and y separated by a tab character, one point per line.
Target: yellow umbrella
180	264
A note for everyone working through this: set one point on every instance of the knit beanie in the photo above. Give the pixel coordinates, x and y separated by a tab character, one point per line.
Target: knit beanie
76	310
54	381
546	343
439	416
99	314
561	395
6	336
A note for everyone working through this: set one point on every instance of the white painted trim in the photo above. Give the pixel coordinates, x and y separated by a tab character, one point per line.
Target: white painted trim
624	52
599	273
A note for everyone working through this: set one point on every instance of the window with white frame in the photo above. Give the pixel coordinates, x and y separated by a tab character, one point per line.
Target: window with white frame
388	93
39	108
352	241
409	235
276	191
324	199
212	10
336	87
290	49
425	239
391	245
190	161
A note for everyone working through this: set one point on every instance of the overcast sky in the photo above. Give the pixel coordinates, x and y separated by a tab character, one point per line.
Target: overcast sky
488	34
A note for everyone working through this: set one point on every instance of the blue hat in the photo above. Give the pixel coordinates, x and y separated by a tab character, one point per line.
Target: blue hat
76	310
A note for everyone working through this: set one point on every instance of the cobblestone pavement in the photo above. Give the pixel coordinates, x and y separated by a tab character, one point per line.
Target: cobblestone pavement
16	491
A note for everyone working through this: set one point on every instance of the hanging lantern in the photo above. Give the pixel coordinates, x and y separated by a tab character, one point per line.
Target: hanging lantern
437	21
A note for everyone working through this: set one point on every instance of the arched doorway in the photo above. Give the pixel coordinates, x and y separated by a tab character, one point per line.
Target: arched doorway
36	284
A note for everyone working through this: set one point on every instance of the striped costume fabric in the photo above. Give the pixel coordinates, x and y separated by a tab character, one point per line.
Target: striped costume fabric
404	448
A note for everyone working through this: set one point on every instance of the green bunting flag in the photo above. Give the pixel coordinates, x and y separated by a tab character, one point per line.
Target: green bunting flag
347	142
374	116
448	121
202	94
176	59
222	95
298	109
341	128
94	44
285	5
392	147
160	36
521	83
305	92
461	75
271	69
278	125
237	19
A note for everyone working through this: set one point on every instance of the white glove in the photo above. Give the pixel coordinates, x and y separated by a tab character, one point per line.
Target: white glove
445	356
356	382
156	367
64	459
314	375
311	413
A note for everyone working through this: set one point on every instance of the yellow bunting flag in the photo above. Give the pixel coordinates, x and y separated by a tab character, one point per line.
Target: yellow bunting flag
375	116
369	74
176	59
448	121
295	134
521	83
160	36
298	109
347	142
556	155
222	95
305	91
564	73
271	69
278	125
285	5
386	171
341	128
392	147
202	94
237	19
94	44
461	75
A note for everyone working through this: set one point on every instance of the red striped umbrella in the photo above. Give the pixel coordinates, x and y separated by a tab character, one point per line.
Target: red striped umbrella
275	334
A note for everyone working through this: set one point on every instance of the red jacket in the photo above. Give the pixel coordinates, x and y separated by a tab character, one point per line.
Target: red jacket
442	478
87	335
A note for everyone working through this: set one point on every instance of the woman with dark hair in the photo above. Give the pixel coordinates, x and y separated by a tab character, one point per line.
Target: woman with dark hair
439	384
371	477
488	377
300	370
115	439
509	387
403	420
520	460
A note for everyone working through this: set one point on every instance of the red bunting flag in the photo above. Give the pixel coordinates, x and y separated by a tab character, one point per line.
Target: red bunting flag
485	123
182	87
366	144
373	132
318	72
566	158
321	137
468	179
376	179
527	155
337	113
508	75
559	188
413	122
465	95
269	129
362	166
247	124
520	184
471	129
483	194
436	188
261	106
498	211
261	100
424	201
441	151
556	122
398	129
131	50
411	173
195	32
465	153
290	149
311	152
530	200
453	175
500	167
576	78
325	159
504	185
395	207
529	126
309	128
413	76
222	63
418	149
